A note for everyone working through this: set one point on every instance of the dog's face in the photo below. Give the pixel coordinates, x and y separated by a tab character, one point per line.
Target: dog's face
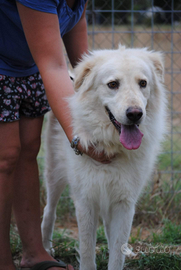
123	82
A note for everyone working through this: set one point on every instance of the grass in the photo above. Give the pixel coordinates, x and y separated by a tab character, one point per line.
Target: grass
65	208
163	251
155	262
161	198
170	234
66	249
101	238
170	159
15	241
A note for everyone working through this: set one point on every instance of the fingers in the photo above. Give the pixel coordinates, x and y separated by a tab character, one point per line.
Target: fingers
100	157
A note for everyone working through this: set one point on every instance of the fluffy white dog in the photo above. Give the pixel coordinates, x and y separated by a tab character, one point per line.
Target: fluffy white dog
120	107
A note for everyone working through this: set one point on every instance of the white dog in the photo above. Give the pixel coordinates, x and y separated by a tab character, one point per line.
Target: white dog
119	106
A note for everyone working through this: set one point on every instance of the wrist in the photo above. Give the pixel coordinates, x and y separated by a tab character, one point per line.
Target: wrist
74	144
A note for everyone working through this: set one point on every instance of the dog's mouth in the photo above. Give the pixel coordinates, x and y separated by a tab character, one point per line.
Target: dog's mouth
130	135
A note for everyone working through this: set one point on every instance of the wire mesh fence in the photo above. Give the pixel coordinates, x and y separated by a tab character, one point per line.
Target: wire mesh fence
156	25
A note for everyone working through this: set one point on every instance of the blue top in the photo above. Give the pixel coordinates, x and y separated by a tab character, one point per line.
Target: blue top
15	56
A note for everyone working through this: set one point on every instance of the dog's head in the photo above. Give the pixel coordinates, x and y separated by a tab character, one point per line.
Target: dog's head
119	86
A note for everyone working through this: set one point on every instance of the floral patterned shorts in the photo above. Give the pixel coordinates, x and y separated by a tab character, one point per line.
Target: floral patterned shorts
22	96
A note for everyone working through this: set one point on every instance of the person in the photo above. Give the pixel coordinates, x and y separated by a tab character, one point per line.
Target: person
32	34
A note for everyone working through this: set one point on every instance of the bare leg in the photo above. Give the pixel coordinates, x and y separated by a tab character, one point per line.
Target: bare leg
9	153
26	204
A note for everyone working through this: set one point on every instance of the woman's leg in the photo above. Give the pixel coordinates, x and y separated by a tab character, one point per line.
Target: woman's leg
26	204
9	154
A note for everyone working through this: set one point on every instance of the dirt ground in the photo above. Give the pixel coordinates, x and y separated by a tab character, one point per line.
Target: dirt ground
72	230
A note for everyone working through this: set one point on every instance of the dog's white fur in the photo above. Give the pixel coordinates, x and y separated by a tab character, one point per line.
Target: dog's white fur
111	190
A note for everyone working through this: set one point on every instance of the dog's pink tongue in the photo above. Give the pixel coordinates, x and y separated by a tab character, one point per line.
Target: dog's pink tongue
130	137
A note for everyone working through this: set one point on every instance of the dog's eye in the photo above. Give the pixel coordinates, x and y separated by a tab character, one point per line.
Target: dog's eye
113	85
143	83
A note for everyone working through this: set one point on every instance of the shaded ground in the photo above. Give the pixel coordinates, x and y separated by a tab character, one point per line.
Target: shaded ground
148	255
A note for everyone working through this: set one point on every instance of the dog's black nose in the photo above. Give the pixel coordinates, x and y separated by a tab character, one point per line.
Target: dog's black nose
134	114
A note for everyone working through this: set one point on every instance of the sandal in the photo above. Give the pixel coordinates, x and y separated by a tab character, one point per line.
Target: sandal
46	265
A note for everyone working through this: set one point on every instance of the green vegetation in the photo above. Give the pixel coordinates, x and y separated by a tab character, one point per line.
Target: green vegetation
169	234
65	248
155	262
15	242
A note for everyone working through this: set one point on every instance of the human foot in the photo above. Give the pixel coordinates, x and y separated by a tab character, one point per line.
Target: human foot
33	260
52	265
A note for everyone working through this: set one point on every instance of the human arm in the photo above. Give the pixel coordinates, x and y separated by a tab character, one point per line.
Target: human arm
79	38
43	36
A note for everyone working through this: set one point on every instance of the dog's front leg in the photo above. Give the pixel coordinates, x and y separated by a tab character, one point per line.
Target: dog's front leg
87	218
120	227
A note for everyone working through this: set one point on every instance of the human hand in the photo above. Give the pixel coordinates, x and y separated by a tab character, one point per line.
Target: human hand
100	157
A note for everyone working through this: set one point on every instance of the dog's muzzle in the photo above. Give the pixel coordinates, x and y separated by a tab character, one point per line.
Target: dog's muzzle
130	135
113	120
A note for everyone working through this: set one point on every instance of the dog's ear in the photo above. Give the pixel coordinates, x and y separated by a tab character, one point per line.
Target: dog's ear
83	75
158	62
